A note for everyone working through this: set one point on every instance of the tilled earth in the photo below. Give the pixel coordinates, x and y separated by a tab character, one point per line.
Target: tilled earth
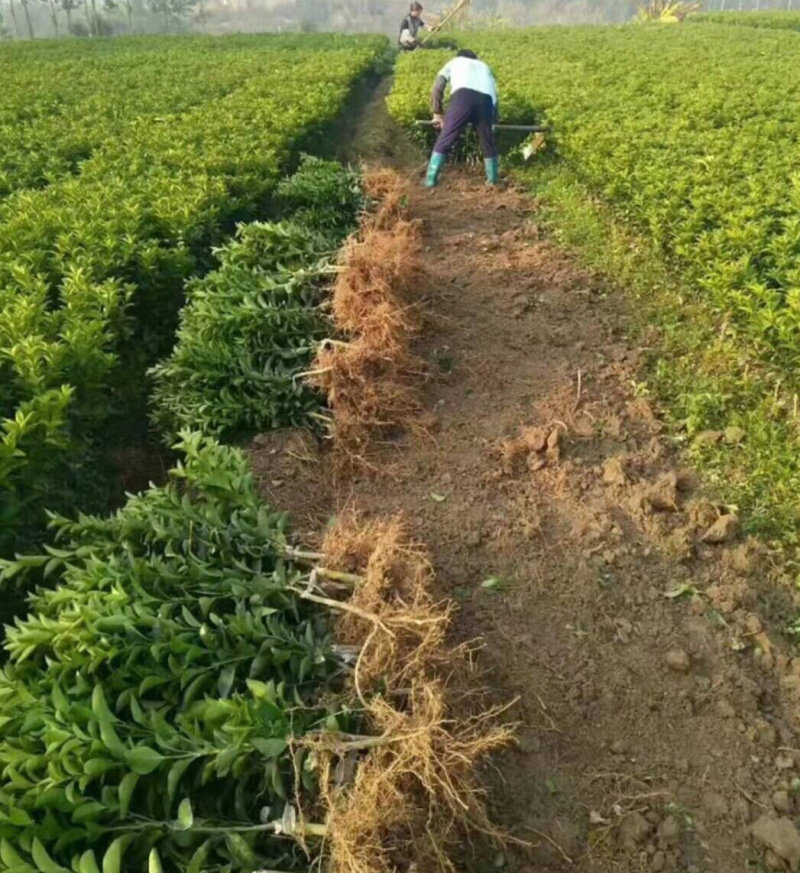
616	600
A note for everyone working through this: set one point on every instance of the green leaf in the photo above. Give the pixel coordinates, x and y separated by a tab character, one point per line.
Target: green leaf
493	582
43	861
153	862
199	858
269	748
258	689
225	760
95	767
176	771
241	851
9	855
59	699
19	818
277	781
89	811
185	815
88	863
99	705
143	760
106	720
226	678
149	683
126	788
136	710
112	860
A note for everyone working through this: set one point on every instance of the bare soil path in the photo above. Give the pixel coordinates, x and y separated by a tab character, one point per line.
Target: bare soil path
658	718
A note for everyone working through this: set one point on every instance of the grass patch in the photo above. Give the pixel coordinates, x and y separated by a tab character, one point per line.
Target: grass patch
701	375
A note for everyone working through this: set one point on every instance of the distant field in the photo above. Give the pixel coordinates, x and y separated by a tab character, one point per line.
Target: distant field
780	19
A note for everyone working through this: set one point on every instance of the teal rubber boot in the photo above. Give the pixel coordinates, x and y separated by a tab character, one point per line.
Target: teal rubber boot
492	170
434	168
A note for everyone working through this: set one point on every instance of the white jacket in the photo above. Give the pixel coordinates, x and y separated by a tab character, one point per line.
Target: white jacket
469	73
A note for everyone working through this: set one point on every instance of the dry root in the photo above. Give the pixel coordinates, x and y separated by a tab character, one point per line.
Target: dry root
387	189
371	380
369	388
415	790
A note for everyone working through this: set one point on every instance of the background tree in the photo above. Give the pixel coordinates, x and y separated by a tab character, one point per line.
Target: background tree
201	15
172	11
13	11
53	9
28	21
69	6
98	25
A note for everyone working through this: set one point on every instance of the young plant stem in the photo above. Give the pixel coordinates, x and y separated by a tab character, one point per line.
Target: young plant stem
343	607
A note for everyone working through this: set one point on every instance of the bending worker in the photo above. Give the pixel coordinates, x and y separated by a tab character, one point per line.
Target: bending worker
473	101
410	28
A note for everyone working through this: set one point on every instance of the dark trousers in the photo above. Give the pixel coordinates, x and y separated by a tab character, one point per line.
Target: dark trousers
468	107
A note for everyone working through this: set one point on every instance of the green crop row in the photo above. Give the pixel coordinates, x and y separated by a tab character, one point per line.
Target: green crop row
702	156
61	101
92	266
691	135
252	325
771	19
58	107
151	694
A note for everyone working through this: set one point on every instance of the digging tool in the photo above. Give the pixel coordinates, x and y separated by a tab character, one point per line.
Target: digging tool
526	128
434	30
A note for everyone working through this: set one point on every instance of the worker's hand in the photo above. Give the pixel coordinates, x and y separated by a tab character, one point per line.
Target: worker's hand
438	120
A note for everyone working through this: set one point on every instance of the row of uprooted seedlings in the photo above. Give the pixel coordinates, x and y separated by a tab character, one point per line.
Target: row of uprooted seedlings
371	379
303	324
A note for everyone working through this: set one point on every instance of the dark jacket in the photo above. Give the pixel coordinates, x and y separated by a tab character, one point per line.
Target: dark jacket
412	25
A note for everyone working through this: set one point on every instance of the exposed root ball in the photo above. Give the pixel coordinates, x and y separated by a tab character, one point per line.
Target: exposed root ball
415	791
380	267
368	388
371	380
387	189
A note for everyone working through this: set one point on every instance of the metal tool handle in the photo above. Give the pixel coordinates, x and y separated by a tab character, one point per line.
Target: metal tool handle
526	128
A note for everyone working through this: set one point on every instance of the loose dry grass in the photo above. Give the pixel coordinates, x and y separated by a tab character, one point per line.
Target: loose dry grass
415	792
371	380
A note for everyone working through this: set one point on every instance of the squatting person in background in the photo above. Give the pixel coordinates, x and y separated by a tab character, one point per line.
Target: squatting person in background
410	28
474	101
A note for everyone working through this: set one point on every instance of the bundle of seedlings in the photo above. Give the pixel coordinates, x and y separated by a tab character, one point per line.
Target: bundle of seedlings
194	693
250	327
370	379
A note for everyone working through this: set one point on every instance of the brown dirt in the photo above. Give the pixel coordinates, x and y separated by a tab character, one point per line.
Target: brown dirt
658	715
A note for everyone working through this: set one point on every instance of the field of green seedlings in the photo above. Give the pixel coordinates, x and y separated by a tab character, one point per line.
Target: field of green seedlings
703	158
179	696
122	163
772	19
692	136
